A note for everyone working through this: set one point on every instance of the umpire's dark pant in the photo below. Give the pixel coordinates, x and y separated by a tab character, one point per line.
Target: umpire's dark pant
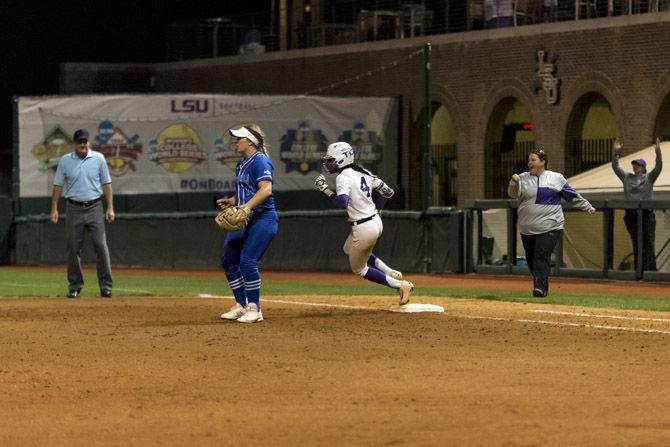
539	248
648	237
82	220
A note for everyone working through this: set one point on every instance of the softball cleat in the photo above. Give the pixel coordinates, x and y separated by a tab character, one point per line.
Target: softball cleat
252	314
234	313
404	291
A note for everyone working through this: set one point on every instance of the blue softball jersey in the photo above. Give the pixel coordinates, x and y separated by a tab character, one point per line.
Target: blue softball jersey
249	172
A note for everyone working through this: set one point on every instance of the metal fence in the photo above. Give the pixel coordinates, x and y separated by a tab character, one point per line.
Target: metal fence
337	22
589	154
598	246
503	161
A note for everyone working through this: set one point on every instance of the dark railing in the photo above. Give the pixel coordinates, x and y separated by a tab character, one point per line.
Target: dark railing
336	22
478	245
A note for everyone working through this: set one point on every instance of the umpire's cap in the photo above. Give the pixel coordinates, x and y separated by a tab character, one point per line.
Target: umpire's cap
80	134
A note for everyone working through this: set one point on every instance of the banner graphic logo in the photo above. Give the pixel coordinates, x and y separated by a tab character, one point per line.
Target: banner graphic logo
302	149
368	145
120	151
226	150
56	144
177	148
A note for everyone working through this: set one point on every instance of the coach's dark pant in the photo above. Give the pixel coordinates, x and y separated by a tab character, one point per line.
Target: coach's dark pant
539	248
82	220
648	237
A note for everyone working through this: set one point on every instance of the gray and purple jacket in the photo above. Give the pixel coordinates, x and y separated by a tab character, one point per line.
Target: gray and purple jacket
539	200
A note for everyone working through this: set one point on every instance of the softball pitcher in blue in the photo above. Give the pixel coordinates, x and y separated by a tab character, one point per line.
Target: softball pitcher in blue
244	248
361	193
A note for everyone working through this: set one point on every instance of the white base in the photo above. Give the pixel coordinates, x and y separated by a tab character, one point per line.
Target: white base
416	307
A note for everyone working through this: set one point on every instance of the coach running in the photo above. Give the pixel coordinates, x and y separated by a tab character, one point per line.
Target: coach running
539	193
84	177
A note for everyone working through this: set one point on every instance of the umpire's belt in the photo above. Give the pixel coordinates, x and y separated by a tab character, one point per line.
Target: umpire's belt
363	220
84	204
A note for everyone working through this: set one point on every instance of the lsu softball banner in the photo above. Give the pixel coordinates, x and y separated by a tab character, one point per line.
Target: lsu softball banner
180	143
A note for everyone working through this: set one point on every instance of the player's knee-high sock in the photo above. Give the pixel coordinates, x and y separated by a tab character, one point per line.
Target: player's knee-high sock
252	281
376	275
237	286
374	261
252	288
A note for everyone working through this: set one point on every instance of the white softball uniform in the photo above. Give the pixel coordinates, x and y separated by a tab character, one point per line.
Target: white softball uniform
366	225
358	186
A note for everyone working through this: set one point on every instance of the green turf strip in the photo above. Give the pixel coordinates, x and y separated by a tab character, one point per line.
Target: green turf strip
17	284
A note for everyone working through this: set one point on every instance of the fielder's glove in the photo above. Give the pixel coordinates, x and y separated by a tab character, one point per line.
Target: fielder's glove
232	218
321	185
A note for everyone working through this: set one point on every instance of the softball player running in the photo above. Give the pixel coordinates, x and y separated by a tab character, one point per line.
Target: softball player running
244	248
361	194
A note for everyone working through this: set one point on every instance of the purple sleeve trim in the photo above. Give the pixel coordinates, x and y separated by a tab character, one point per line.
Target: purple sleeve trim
340	201
380	201
568	193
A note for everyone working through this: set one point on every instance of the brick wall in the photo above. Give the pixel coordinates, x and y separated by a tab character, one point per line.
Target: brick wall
625	59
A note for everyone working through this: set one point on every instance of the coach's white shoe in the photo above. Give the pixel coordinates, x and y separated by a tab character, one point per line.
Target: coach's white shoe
404	291
251	315
234	313
395	275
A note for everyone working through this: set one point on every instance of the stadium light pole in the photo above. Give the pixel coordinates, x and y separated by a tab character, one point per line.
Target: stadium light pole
427	159
283	23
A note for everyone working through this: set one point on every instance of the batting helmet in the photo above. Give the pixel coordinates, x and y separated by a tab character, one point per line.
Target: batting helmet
339	155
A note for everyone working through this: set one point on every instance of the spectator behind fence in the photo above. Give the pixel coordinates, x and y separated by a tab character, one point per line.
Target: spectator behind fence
539	193
640	186
251	43
498	13
550	10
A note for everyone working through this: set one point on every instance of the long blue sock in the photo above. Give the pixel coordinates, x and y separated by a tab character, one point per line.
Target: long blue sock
377	276
237	286
252	288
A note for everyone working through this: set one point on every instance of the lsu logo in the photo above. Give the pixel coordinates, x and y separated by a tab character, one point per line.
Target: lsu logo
302	148
177	148
56	144
189	106
120	151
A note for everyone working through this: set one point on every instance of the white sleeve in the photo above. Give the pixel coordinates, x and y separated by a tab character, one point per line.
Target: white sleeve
343	184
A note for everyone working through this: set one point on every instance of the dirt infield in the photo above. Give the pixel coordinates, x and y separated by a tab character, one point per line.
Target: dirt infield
332	371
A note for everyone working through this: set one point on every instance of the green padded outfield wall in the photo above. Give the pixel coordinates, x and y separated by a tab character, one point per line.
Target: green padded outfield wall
306	241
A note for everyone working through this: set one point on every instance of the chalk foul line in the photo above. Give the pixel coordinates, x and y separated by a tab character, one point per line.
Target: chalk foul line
472	317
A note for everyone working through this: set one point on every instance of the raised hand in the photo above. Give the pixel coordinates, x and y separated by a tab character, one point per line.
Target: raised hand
320	183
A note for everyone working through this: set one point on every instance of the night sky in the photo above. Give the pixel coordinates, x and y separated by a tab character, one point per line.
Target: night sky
38	35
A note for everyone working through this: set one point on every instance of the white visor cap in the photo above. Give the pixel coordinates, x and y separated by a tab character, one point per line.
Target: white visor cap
243	132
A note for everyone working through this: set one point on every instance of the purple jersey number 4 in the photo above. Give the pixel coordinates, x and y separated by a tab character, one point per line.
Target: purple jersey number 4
364	187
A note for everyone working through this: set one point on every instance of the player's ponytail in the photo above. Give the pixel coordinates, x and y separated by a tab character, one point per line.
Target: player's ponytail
260	136
360	169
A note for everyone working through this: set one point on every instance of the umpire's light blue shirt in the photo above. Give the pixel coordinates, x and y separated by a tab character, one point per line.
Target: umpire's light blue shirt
82	179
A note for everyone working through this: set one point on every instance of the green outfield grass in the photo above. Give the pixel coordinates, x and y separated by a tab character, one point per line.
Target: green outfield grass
18	284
